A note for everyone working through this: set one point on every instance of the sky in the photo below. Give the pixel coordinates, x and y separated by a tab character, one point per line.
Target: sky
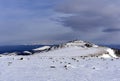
57	21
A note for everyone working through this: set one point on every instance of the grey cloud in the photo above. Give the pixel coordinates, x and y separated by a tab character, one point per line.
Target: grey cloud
76	6
112	30
88	22
90	15
92	20
27	21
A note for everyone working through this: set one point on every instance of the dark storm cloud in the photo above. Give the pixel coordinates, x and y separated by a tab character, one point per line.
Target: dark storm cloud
88	22
91	15
112	30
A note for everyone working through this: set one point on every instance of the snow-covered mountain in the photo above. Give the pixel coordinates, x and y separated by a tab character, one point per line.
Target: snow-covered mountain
71	61
72	48
76	48
76	43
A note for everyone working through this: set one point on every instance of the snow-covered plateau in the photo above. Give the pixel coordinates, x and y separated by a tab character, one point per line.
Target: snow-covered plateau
72	61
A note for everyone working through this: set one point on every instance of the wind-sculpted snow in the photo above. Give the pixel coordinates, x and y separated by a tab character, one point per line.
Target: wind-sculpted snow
42	48
111	53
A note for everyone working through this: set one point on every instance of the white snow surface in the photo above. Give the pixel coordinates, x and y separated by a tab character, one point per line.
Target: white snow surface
111	53
63	64
50	68
27	52
78	43
105	56
74	51
42	48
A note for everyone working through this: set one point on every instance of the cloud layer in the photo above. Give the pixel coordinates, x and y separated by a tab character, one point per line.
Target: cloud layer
87	16
28	21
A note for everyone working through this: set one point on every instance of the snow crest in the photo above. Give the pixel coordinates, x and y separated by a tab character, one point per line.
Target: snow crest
79	43
73	48
111	53
42	48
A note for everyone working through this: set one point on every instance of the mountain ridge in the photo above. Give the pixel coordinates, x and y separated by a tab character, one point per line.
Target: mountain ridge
78	44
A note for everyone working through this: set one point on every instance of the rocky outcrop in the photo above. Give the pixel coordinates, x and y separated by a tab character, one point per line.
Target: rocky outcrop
117	52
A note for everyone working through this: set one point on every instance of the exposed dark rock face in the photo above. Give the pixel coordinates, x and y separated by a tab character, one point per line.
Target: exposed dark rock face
23	53
117	52
88	45
52	67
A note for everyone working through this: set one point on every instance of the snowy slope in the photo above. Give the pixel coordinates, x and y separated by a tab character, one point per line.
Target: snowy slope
37	68
77	48
72	61
73	51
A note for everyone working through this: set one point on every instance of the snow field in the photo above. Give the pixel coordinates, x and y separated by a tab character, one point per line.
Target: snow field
47	68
